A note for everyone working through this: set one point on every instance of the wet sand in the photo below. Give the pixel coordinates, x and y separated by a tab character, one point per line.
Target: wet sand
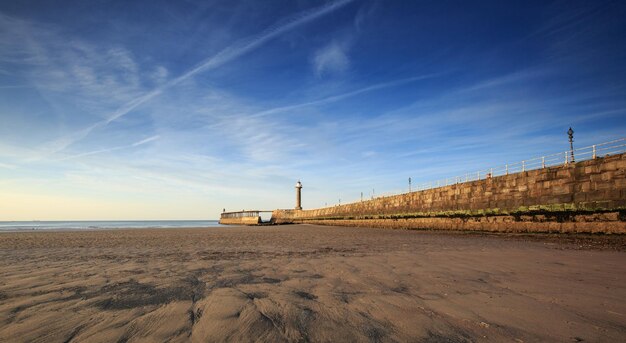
309	283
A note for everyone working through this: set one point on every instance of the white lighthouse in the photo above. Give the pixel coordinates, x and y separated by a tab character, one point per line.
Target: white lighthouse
298	195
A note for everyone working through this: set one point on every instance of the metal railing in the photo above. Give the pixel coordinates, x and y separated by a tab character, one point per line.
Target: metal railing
563	158
242	214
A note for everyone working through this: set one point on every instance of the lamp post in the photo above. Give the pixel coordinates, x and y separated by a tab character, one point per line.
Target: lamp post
570	134
409	185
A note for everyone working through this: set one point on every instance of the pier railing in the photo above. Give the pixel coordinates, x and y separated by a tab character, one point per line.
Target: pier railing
617	146
242	214
563	158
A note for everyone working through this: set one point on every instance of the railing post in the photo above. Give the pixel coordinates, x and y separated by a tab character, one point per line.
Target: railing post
543	162
566	158
506	169
466	177
478	175
594	152
523	166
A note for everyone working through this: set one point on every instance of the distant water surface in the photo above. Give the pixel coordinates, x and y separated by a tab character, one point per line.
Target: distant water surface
103	224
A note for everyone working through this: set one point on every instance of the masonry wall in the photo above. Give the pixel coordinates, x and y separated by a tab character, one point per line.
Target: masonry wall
588	196
241	221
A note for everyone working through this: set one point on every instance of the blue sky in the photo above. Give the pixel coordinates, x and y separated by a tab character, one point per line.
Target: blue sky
177	109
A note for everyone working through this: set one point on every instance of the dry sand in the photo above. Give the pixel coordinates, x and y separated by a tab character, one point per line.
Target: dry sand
307	283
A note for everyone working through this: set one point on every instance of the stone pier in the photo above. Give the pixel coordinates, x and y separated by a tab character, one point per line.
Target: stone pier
588	196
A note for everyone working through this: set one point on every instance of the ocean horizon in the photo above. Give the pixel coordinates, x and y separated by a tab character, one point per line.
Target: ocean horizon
9	226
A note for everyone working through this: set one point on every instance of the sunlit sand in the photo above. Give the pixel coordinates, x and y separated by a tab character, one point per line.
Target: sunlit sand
308	283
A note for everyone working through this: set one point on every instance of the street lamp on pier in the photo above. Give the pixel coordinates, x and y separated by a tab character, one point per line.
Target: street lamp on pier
570	134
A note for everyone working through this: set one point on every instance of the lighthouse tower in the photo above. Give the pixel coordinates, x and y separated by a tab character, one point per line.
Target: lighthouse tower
298	195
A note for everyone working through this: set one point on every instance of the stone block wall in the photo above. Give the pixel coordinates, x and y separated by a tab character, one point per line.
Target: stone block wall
241	221
525	201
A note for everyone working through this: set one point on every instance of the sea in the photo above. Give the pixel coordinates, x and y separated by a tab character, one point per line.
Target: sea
11	226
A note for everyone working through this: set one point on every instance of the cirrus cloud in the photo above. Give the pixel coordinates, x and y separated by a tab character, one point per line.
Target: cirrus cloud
331	59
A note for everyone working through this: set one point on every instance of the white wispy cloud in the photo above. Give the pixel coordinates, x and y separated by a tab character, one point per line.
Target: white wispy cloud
574	17
365	12
330	59
121	147
258	139
96	79
339	97
15	41
159	75
123	59
521	77
250	43
147	140
224	56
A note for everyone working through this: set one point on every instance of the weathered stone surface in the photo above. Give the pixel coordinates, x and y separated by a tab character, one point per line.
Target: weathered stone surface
493	224
241	221
597	185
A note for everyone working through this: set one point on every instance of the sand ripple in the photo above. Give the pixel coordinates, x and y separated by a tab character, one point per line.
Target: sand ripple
305	283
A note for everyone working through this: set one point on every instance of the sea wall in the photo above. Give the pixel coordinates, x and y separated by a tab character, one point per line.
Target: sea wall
588	196
241	221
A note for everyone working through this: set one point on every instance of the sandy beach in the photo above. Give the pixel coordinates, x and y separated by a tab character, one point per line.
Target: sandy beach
309	283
